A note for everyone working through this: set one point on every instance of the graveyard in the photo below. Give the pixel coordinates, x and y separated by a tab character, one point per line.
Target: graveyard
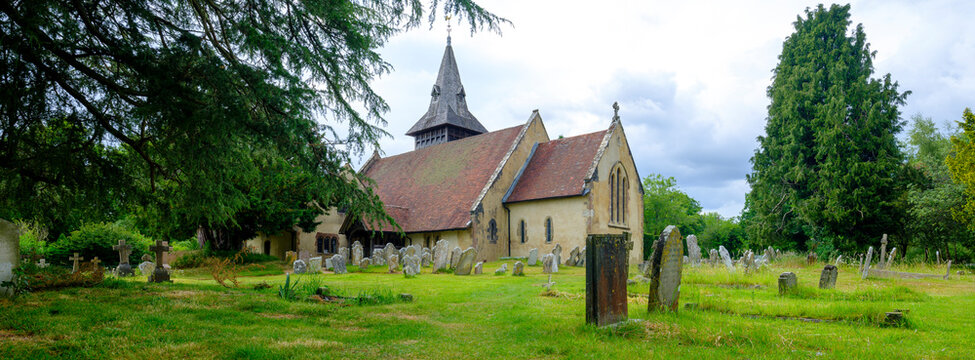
719	314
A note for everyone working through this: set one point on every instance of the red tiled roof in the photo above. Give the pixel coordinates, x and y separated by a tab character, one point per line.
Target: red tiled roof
434	188
558	168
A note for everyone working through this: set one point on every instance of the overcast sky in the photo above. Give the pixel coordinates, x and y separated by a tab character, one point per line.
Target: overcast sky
690	76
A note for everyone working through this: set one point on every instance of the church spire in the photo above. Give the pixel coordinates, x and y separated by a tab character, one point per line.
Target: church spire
447	118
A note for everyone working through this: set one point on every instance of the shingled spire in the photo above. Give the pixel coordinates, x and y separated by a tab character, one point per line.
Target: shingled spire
447	119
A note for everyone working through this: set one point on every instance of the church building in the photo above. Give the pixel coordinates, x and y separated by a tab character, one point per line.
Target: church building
502	192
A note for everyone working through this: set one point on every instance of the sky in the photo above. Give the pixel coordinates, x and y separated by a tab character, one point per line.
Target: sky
690	76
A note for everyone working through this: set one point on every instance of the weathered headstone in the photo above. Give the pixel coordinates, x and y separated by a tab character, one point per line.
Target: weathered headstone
426	259
290	257
74	260
693	251
501	270
726	257
581	262
160	274
713	257
392	262
665	270
440	255
454	257
557	251
146	266
811	258
124	250
839	260
865	269
338	264
364	264
518	269
533	257
465	262
328	263
571	261
787	282
344	251
412	250
607	257
299	266
356	253
479	268
315	265
9	253
411	265
938	255
883	253
548	264
890	258
827	280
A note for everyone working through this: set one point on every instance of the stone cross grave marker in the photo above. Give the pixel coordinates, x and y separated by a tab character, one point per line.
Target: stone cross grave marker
160	274
787	282
665	271
94	263
75	259
693	251
557	251
571	261
607	259
124	250
42	264
883	252
466	262
827	280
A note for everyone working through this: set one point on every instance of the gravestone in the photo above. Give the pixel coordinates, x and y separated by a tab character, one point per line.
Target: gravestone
124	251
713	257
938	255
479	268
315	265
344	251
581	262
839	260
787	282
811	258
290	256
328	263
665	271
94	264
693	251
42	264
299	266
465	262
548	264
883	253
160	274
571	261
74	260
557	251
9	253
890	258
356	253
827	280
411	265
606	271
726	257
426	260
147	266
338	264
440	255
501	270
454	257
518	269
379	257
364	264
389	250
392	262
533	257
412	250
865	268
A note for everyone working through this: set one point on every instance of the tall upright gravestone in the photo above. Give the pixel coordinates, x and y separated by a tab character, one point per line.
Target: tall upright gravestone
9	252
827	280
665	270
124	251
606	272
883	252
693	251
160	274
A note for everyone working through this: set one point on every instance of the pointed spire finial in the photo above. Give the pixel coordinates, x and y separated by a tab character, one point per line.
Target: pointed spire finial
616	111
447	18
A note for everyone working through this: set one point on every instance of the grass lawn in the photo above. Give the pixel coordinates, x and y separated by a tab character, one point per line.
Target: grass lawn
493	317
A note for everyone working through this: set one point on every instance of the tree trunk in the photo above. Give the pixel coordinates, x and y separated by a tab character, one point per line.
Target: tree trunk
219	239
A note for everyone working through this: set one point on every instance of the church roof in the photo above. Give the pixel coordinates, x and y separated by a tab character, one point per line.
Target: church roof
557	168
434	188
448	103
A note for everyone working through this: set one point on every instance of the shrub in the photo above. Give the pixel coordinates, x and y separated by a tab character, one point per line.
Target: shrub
226	269
190	260
185	245
33	244
97	239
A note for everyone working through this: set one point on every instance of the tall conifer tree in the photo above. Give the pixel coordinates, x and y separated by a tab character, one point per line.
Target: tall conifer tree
827	167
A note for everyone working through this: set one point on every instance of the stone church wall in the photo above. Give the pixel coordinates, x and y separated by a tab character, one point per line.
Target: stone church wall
569	225
617	151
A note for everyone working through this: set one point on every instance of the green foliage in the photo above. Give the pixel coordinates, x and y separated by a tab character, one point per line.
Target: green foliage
288	291
33	240
664	204
718	231
97	239
828	166
961	163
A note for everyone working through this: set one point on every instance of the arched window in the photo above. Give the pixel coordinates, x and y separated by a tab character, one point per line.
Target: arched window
548	230
493	231
521	231
618	186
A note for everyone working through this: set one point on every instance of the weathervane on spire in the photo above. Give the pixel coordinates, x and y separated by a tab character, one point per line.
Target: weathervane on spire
447	18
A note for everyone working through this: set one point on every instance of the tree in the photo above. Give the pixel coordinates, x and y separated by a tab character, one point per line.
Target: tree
717	231
961	164
184	107
828	167
664	204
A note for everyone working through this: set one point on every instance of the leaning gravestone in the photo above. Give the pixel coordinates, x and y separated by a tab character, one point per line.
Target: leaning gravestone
548	264
479	268
665	270
533	257
392	262
787	282
124	250
356	253
501	270
338	264
571	261
455	257
693	251
160	274
557	251
607	262
426	259
726	257
315	265
9	253
300	266
827	280
890	258
465	262
518	269
865	268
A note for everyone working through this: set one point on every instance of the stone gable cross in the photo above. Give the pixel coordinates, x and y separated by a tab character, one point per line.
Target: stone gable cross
160	249
124	251
75	259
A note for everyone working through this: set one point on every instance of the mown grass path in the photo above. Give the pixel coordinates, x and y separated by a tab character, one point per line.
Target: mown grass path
492	317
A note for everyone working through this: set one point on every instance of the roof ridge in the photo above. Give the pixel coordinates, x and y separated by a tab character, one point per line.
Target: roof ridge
514	145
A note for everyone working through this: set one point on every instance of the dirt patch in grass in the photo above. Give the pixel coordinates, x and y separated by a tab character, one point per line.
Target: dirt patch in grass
315	343
6	335
399	315
181	294
278	316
